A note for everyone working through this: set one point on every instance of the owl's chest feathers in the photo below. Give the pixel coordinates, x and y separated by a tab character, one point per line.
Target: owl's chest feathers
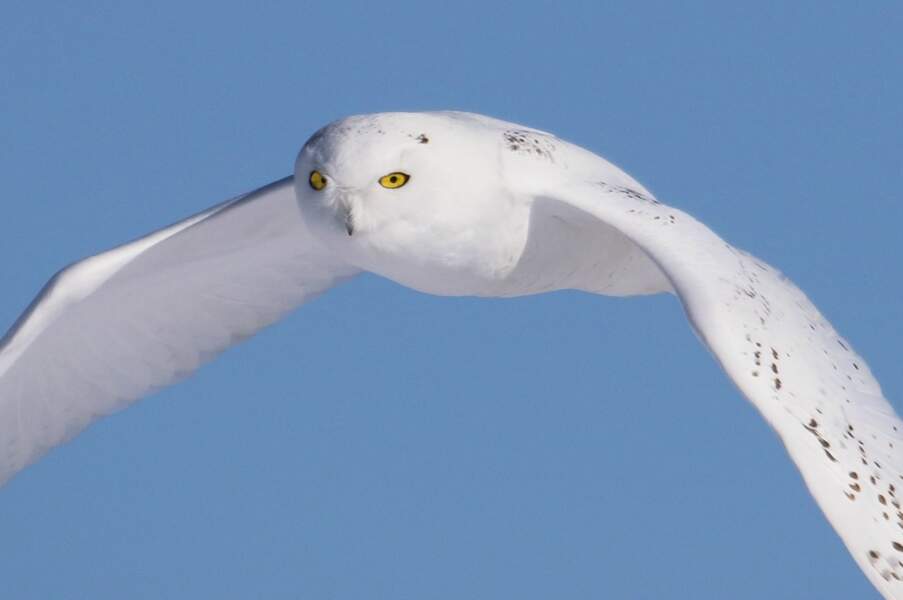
471	251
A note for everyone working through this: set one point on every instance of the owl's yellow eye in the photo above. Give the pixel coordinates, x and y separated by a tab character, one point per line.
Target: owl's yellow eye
394	180
316	180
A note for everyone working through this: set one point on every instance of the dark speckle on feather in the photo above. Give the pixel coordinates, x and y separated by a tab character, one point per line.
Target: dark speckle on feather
630	193
530	143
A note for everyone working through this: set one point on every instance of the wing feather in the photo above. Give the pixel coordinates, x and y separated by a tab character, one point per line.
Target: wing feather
112	328
804	378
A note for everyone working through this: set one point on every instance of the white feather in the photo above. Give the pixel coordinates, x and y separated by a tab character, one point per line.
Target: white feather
490	209
111	328
804	378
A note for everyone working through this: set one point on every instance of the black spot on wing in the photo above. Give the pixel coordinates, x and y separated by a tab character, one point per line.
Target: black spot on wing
529	143
632	194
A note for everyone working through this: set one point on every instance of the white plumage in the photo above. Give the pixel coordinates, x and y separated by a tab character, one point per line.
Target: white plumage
532	214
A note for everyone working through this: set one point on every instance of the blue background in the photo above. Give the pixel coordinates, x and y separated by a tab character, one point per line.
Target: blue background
381	443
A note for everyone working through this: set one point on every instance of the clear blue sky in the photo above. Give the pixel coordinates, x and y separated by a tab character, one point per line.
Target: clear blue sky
385	444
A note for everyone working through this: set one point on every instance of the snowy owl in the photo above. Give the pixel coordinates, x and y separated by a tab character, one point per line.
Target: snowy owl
453	204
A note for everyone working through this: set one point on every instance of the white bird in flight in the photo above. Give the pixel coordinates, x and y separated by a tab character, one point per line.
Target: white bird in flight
453	204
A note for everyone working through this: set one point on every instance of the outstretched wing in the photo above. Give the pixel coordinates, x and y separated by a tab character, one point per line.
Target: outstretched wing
804	378
109	329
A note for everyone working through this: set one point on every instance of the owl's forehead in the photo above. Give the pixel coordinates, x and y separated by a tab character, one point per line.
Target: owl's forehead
378	137
365	138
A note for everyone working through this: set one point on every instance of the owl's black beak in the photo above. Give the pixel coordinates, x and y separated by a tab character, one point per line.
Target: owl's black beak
345	212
